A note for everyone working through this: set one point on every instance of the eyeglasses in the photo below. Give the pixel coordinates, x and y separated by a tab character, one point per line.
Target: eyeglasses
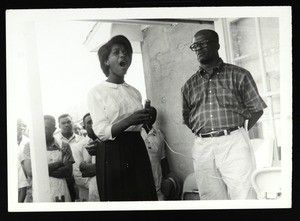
200	45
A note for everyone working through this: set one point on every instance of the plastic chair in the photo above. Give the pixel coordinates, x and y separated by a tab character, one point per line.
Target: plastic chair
190	189
267	182
265	179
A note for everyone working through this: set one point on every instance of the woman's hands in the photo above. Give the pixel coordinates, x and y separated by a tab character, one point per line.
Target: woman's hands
91	147
138	117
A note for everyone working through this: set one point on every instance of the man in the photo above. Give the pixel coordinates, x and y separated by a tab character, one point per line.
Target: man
85	168
60	160
88	164
155	144
77	129
21	138
24	182
67	135
216	102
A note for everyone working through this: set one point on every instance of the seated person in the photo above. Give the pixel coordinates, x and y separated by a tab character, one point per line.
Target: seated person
155	144
60	160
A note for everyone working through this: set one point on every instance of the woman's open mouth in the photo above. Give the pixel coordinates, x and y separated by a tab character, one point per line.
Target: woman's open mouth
123	64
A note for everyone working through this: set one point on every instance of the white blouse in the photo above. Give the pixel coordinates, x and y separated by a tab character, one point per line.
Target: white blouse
109	103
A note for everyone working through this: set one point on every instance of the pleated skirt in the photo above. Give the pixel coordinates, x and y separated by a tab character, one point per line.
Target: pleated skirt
123	169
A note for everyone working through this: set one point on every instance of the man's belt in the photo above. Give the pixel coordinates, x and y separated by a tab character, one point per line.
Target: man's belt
218	133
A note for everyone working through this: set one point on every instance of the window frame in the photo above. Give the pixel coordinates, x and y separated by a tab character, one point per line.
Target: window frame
222	27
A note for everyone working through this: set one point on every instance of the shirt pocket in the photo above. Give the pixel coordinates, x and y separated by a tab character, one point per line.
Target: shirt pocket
227	98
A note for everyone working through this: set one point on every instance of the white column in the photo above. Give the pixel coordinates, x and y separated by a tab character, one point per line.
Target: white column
40	182
11	70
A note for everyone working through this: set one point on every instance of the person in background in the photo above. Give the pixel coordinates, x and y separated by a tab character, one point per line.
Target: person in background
88	165
84	133
77	129
22	140
84	169
122	164
25	187
22	184
216	101
67	135
59	159
155	144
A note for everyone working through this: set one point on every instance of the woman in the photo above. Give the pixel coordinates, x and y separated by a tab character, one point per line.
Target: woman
122	164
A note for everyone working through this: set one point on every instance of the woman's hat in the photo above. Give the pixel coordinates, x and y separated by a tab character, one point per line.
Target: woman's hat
120	39
105	49
171	187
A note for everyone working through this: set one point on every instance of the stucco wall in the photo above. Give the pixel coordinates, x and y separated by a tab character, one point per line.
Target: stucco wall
168	63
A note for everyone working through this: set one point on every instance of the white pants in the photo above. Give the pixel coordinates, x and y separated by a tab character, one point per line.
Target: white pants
223	166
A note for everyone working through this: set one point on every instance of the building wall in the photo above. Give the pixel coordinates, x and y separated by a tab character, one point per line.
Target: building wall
168	63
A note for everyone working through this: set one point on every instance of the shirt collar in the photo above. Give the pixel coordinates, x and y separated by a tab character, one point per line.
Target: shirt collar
113	85
74	136
54	145
216	68
152	131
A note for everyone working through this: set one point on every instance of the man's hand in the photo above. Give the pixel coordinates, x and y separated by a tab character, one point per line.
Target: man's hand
87	169
55	166
254	118
91	147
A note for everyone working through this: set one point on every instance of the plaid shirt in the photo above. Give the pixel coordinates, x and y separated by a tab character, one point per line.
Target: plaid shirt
222	100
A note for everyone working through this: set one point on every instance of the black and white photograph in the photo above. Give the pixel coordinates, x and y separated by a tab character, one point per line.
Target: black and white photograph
182	108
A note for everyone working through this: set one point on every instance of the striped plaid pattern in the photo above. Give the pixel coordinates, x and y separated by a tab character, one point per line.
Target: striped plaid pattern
223	100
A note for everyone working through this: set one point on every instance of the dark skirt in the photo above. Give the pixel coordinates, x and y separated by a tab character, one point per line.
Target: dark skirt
123	169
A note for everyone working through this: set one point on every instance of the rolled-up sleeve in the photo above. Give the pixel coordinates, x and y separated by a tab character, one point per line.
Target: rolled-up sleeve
101	124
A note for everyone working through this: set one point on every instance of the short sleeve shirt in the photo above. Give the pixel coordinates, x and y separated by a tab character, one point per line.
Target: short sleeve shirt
224	99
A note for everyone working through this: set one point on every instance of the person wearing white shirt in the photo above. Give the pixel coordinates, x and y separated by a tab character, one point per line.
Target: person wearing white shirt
88	165
22	184
155	144
67	130
80	154
21	138
122	163
67	135
25	187
59	160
